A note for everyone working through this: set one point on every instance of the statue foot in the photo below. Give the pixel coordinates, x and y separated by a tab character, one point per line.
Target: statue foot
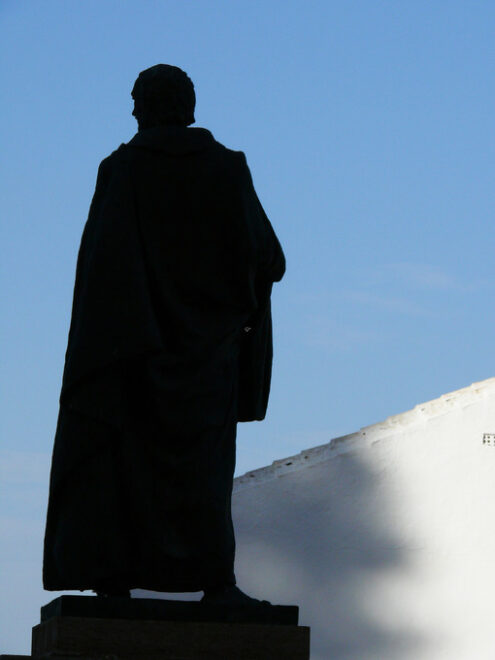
230	595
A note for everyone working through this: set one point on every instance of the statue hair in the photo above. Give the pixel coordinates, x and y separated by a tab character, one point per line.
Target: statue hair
163	96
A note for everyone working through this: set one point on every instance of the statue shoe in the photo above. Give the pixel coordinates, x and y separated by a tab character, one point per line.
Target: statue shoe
230	595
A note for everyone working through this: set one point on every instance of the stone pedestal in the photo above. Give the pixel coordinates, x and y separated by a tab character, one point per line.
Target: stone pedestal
92	628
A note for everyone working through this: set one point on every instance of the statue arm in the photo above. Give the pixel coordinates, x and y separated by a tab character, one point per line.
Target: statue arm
270	257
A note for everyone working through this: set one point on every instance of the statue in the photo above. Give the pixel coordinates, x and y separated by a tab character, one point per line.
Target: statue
170	345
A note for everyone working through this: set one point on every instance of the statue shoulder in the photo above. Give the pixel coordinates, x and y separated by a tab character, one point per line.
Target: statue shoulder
114	161
238	157
234	162
115	157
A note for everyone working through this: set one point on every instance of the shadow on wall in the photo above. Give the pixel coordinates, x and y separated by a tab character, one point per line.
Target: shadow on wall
322	537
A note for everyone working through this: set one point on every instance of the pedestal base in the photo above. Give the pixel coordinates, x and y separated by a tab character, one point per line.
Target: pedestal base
169	640
146	629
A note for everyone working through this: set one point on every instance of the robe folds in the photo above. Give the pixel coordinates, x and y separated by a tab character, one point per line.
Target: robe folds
176	263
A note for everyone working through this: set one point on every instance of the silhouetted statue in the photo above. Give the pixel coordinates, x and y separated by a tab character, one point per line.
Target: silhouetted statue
170	345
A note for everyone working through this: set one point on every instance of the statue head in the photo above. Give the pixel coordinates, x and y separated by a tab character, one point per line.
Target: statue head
163	96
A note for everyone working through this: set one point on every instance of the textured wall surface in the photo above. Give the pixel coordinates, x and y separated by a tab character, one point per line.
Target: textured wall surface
386	537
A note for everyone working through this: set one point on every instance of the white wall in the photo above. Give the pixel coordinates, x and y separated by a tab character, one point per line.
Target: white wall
385	538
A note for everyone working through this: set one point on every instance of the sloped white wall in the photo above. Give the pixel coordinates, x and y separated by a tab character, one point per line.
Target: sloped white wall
385	538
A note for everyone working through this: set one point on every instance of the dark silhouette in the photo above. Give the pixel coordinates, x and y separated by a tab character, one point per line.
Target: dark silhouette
170	345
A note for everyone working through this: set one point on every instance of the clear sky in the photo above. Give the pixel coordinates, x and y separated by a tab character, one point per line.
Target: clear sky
368	127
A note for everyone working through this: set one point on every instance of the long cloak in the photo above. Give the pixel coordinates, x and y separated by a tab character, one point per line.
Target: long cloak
170	345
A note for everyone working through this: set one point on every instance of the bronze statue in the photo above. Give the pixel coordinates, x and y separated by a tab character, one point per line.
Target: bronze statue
170	345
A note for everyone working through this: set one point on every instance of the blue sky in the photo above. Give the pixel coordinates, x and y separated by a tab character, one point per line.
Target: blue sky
368	127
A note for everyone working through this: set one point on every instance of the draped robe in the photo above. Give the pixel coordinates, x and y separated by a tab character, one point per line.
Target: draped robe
170	345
